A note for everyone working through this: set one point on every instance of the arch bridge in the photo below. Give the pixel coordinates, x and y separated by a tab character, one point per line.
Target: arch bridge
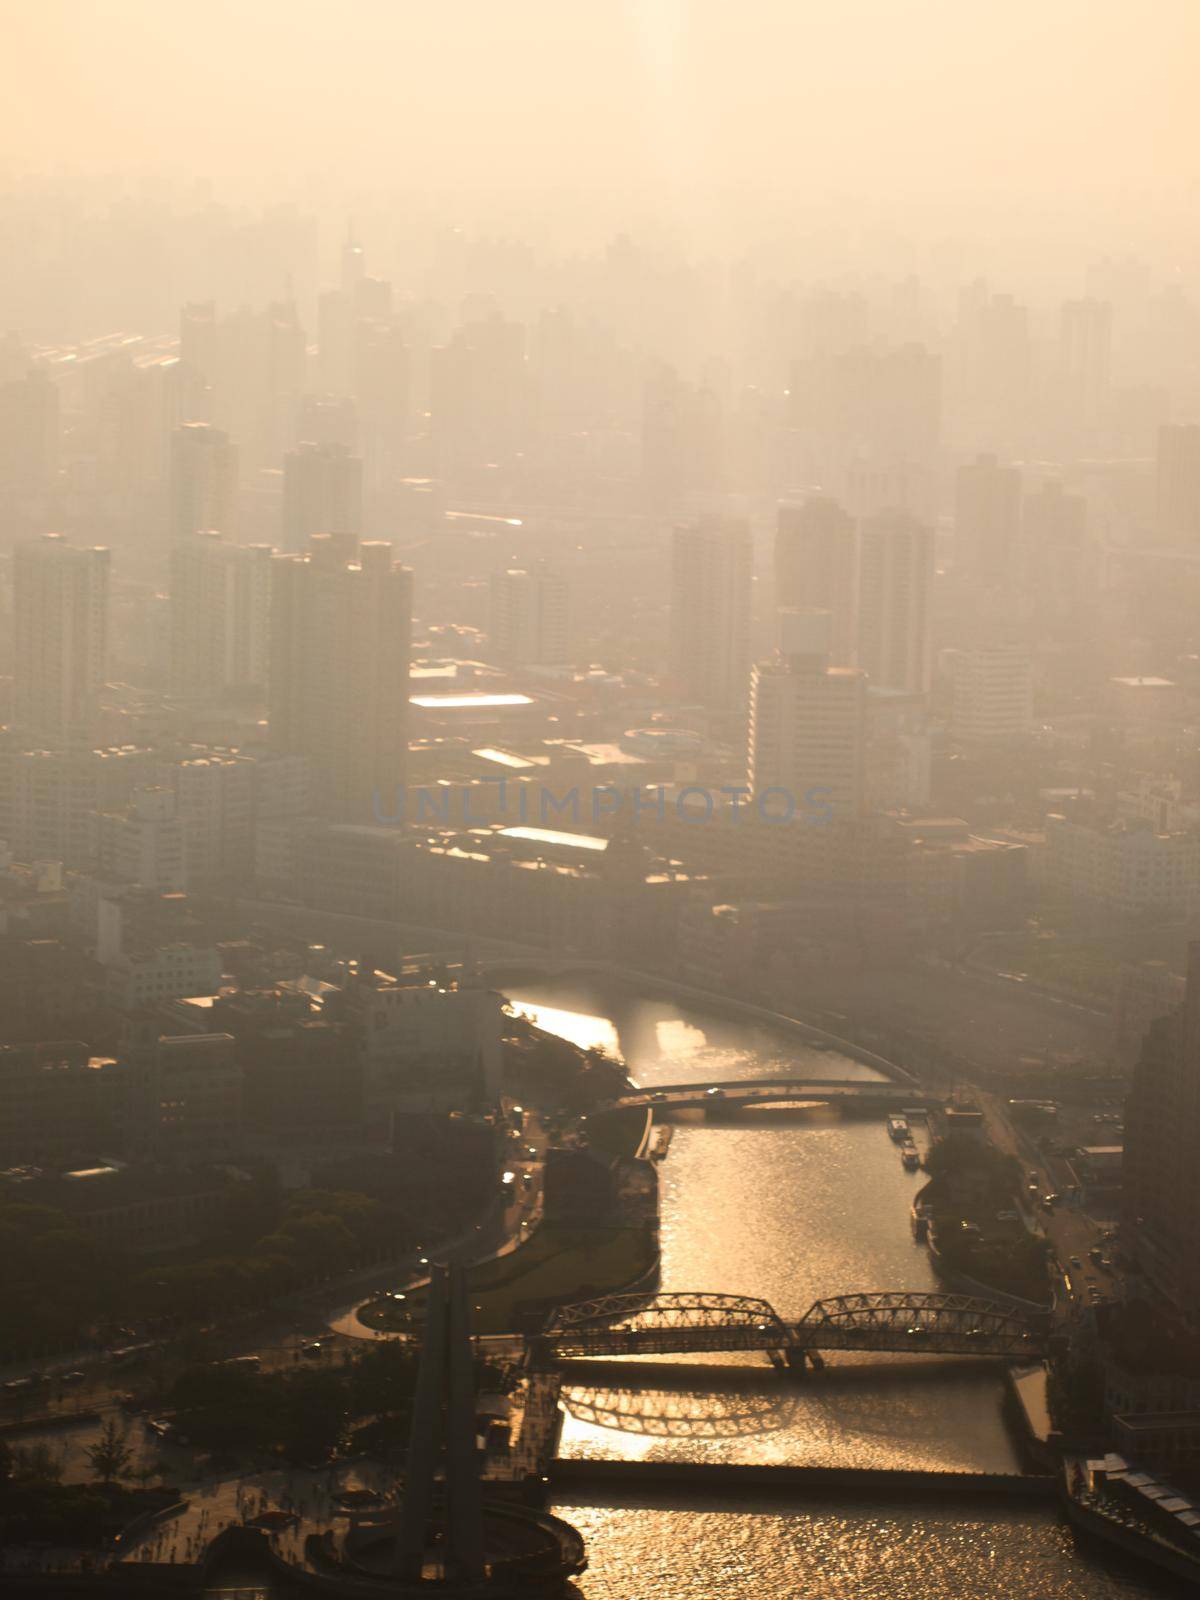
911	1322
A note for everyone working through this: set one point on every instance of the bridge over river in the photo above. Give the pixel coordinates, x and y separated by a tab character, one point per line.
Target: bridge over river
899	1322
863	1093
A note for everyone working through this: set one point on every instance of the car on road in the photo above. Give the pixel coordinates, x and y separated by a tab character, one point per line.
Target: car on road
312	1352
1077	1263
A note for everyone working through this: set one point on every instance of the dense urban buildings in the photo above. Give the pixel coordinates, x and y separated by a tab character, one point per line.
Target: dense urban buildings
601	695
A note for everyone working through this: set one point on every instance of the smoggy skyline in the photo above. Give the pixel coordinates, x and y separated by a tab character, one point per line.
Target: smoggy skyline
937	120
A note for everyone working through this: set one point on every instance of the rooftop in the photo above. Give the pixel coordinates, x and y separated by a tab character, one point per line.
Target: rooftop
479	701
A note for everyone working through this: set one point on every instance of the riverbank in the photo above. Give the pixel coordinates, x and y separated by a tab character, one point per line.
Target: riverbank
557	1264
715	1476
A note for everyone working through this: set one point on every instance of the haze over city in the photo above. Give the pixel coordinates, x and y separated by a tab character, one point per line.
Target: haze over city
600	799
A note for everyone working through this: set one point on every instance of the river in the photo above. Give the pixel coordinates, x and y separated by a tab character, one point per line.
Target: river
794	1211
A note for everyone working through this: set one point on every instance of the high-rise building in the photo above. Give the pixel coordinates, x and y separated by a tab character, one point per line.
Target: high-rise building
994	367
987	519
711	570
1162	1136
528	624
808	724
881	407
1060	561
322	493
60	643
382	382
1084	349
48	798
895	580
992	695
220	605
1179	483
204	480
335	340
199	360
338	678
815	555
263	372
144	843
478	394
328	419
29	435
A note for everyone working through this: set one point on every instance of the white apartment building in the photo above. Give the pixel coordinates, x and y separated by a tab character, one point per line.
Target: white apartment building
992	695
808	722
1125	867
144	844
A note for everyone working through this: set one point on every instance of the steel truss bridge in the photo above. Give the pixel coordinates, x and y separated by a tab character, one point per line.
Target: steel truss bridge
905	1322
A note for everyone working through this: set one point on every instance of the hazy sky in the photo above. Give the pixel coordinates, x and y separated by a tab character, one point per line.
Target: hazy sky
895	101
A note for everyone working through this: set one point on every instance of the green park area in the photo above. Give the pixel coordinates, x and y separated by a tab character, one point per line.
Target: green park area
557	1265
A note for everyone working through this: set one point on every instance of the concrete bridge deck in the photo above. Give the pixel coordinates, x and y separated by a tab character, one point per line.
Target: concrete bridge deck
864	1092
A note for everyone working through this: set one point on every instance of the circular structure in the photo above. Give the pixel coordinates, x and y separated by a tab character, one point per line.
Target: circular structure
527	1552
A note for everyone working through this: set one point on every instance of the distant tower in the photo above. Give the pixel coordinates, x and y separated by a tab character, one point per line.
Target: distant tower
815	565
60	645
1085	347
29	435
1179	483
895	581
987	519
198	360
338	673
322	493
808	720
992	695
529	624
204	481
220	604
711	571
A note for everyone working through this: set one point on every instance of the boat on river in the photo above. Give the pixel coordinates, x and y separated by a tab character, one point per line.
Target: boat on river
910	1158
897	1127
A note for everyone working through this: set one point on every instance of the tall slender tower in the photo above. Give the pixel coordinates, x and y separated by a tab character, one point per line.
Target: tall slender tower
338	672
60	638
